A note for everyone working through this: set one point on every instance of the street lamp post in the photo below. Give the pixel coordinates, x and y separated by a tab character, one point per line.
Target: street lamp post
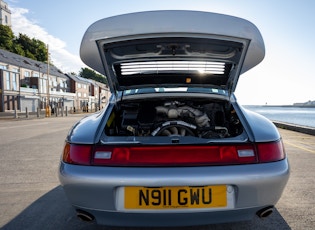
48	109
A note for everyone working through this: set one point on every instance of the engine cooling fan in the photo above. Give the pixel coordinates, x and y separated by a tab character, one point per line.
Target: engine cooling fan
174	128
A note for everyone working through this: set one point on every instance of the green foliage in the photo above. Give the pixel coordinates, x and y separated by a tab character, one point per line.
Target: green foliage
91	74
22	45
18	49
6	38
33	48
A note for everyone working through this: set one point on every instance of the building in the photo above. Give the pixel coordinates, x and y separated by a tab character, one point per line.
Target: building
26	83
102	94
305	104
5	14
90	95
81	89
99	94
29	84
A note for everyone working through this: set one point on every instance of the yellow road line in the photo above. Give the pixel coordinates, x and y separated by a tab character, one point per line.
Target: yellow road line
297	146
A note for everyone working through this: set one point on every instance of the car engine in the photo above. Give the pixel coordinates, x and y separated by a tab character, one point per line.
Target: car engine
175	118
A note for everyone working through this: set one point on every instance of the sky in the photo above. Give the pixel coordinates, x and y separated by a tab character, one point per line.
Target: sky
284	77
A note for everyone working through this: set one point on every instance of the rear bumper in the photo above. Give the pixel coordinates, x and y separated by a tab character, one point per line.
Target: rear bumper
94	189
167	220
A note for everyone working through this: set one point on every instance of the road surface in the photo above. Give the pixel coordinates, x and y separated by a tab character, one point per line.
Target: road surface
31	197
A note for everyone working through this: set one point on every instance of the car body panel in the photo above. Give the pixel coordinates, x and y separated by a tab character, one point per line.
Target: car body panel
98	184
97	187
89	130
161	24
175	220
262	129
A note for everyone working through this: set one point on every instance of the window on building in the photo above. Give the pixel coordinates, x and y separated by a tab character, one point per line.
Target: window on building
14	80
43	84
7	80
79	85
84	86
79	94
84	95
27	74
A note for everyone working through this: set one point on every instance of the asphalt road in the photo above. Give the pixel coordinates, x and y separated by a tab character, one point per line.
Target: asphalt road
31	197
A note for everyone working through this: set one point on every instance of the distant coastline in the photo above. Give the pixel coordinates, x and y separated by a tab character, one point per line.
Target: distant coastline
309	104
293	106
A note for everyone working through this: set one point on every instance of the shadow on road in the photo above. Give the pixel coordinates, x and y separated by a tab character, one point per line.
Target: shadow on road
53	211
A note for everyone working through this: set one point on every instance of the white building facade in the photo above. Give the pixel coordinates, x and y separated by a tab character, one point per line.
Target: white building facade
5	14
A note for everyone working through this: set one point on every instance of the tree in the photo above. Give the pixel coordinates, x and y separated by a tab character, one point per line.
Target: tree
41	52
22	45
91	74
33	48
6	38
18	49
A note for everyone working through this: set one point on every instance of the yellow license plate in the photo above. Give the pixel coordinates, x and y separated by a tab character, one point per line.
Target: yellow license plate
175	197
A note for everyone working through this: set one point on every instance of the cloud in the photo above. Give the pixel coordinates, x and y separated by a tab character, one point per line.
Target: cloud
60	57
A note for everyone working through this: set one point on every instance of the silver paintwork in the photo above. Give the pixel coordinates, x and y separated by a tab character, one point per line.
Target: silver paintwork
173	23
99	190
89	129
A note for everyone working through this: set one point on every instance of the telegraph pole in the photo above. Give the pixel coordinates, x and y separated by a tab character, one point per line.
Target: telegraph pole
48	109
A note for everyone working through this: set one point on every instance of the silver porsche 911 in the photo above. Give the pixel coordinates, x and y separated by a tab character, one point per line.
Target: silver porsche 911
173	147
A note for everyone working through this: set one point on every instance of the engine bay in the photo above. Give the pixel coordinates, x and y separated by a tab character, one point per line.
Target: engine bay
174	118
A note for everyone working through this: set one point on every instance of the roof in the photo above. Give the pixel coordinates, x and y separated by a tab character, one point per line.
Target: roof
77	78
81	79
86	81
27	63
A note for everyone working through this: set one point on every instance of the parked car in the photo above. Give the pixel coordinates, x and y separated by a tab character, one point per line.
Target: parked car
173	147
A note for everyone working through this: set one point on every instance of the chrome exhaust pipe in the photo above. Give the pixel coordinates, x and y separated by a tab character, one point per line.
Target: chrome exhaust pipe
85	216
265	212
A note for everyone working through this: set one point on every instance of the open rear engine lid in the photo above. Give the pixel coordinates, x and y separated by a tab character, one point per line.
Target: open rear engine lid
172	49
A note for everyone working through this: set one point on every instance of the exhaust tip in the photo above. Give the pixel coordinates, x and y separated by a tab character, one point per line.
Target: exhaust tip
85	216
265	212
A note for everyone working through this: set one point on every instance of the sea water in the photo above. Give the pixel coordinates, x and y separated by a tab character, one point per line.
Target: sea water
294	115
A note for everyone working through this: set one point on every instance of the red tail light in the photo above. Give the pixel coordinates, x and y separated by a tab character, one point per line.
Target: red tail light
172	155
77	154
271	151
